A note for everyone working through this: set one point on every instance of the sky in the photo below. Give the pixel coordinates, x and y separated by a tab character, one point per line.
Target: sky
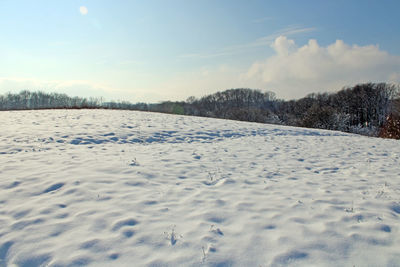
156	50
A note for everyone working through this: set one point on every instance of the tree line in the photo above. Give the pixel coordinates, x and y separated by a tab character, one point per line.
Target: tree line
363	108
371	108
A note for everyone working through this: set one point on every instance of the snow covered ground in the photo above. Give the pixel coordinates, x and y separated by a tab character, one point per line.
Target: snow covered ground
123	188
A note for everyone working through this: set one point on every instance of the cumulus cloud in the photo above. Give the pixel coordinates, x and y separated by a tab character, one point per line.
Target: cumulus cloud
294	72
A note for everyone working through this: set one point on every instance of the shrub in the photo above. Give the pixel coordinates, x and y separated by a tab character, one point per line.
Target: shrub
391	128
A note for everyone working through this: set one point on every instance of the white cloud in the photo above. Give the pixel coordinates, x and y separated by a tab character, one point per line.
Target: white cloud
83	10
294	72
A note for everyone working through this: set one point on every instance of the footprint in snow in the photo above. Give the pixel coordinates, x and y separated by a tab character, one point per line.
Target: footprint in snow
395	207
13	185
215	230
128	222
53	187
210	249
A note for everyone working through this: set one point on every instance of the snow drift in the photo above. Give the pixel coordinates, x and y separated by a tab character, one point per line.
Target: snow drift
123	188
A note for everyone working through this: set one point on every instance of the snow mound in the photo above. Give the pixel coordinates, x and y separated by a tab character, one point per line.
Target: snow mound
101	127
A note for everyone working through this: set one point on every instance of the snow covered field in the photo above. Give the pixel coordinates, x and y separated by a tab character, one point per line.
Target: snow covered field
123	188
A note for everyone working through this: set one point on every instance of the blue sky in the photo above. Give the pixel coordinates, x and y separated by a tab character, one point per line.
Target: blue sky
169	49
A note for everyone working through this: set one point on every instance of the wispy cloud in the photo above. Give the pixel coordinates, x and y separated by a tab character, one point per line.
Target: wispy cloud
292	30
289	31
261	20
206	55
240	48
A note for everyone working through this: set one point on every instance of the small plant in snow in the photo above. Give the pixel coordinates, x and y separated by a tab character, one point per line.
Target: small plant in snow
213	177
134	162
382	192
172	237
350	209
204	254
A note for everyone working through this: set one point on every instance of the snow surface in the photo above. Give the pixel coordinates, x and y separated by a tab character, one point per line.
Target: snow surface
123	188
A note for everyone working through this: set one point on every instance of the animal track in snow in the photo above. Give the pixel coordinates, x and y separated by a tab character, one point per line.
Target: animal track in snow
127	222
